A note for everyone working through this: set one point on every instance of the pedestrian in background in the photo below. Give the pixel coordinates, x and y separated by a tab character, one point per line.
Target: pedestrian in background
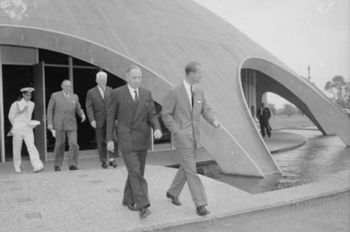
264	115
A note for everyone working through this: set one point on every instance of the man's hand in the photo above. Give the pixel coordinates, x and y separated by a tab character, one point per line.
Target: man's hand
110	146
157	134
217	124
83	118
93	123
50	127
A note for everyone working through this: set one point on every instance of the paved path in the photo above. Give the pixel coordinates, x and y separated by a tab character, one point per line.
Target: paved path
329	214
90	200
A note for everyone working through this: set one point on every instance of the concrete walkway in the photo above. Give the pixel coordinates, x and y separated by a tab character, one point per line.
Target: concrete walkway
90	199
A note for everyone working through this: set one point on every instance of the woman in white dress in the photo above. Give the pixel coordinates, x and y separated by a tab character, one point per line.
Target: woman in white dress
20	116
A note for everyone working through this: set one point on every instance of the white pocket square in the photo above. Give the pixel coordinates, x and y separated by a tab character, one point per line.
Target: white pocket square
199	101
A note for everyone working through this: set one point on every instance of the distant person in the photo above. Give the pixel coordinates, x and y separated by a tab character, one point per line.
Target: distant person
61	119
134	109
181	115
264	115
97	100
20	116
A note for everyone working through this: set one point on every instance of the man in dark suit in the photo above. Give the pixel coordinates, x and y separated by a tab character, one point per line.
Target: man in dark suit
264	115
181	115
134	109
97	100
61	120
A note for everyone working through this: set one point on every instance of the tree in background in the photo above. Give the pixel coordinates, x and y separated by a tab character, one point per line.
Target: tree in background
339	91
272	108
289	109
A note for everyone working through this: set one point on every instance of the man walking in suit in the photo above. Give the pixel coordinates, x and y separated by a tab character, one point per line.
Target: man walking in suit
264	115
134	109
181	114
61	119
96	109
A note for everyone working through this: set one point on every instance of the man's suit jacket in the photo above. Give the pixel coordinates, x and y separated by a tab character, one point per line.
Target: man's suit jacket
181	119
61	111
97	106
134	120
263	116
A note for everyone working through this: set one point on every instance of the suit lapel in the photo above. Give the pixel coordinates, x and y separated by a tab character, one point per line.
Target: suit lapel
140	103
128	98
98	93
184	96
107	93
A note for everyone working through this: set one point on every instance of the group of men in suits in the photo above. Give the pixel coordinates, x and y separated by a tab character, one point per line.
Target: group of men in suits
128	113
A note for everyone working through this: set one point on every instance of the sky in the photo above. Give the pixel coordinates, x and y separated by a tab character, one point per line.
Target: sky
299	32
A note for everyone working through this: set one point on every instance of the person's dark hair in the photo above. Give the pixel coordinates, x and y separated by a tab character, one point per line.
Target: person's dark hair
191	67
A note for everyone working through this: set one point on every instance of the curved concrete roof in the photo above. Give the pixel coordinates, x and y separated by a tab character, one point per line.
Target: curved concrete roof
162	37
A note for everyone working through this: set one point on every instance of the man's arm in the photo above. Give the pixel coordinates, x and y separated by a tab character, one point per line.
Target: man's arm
111	115
208	113
49	113
152	114
89	104
79	110
167	112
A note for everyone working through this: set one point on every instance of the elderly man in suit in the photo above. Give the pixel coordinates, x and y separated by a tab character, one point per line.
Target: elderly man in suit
96	109
181	115
134	109
61	119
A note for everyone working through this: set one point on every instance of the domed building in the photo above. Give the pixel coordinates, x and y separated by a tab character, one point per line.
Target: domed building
43	42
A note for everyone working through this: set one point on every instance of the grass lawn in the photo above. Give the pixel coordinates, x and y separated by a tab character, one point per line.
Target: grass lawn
293	121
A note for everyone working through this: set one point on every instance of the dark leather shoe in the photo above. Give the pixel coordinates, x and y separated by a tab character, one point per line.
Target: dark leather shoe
57	169
73	168
113	163
144	212
131	206
201	210
104	165
174	199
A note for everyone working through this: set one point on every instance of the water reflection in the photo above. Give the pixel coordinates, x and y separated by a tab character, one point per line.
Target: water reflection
319	157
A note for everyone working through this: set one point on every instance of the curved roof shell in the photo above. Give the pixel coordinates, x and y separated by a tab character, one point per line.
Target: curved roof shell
162	37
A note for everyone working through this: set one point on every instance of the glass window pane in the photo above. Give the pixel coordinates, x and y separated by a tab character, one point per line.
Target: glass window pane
50	57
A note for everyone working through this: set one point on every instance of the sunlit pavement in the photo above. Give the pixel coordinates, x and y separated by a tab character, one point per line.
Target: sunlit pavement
90	199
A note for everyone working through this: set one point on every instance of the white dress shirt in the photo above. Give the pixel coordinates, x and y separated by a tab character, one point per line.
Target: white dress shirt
188	90
132	92
102	91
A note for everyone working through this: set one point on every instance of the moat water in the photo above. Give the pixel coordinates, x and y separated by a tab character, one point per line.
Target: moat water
318	158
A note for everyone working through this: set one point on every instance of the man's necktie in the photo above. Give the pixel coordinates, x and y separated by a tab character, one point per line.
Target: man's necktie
103	93
67	96
136	97
192	95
